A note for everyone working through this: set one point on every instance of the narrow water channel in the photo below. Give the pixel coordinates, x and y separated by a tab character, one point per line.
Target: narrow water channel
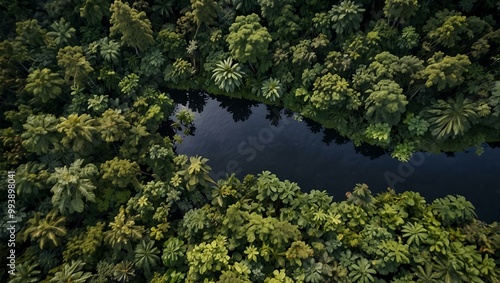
247	138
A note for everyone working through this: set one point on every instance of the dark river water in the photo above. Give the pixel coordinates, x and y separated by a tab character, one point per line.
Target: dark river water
247	138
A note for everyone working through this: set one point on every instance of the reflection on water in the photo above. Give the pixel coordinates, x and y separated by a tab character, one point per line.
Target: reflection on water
247	138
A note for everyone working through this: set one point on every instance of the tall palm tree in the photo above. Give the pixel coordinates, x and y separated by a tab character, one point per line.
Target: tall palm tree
72	185
26	273
94	10
40	133
123	230
146	255
110	50
228	76
272	89
62	32
71	273
46	231
346	17
196	172
124	271
78	132
451	118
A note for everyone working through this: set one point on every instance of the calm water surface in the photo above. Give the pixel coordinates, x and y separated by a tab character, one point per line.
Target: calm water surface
248	138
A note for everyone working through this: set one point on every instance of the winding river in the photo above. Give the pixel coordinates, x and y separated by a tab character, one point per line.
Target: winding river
247	138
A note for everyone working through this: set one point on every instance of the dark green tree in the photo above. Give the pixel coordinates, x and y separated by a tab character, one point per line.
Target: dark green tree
124	271
123	231
152	62
109	50
244	6
71	273
129	84
74	63
32	177
272	89
78	132
379	132
386	103
204	11
331	90
443	71
120	172
174	252
303	53
112	126
46	231
146	255
62	32
163	7
206	257
133	26
86	245
415	232
400	10
40	133
450	29
72	186
31	33
94	10
361	271
179	72
44	84
451	118
409	38
346	17
248	40
26	272
228	76
171	43
195	172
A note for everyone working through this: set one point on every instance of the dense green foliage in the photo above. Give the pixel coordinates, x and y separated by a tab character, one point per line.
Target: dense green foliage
101	195
348	65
